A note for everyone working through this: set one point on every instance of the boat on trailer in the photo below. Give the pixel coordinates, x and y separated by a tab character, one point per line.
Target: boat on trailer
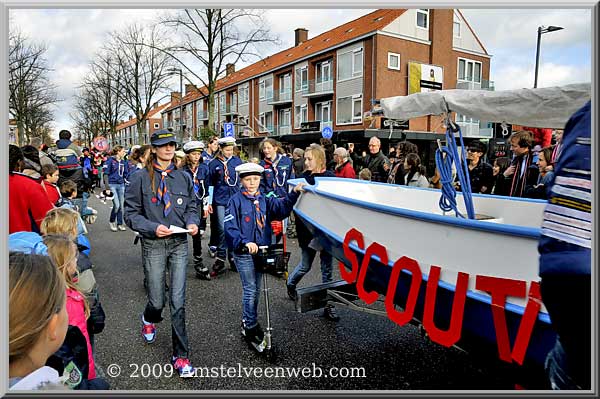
468	282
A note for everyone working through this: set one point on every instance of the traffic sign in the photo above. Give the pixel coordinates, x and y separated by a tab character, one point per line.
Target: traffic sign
327	132
228	129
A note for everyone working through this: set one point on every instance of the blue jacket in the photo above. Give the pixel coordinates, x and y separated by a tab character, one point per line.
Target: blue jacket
565	244
223	190
202	175
206	157
144	213
240	218
117	171
276	175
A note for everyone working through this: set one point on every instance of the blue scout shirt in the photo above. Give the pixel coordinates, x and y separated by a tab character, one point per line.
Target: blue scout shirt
276	175
240	217
201	190
117	171
206	157
144	213
223	190
565	244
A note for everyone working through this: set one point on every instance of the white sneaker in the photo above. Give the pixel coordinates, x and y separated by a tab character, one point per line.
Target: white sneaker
121	227
113	226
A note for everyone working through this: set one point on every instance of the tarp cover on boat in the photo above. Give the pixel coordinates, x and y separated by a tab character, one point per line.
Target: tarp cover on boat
549	107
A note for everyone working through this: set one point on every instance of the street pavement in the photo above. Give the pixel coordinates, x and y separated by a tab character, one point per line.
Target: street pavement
380	354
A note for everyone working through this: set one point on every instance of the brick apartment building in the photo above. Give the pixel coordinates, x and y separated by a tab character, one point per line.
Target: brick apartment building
331	80
127	134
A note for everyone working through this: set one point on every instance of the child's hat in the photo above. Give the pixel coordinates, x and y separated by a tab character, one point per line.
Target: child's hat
226	141
249	169
193	146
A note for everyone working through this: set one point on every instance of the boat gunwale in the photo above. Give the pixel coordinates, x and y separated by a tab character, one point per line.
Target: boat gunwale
480	297
508	229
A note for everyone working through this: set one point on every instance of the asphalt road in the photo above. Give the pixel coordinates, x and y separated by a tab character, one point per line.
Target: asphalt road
380	354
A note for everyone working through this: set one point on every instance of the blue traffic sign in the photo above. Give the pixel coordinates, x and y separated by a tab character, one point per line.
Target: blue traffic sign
228	129
327	132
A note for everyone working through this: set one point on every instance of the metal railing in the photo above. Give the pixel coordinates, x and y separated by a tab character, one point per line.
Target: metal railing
282	129
317	87
281	97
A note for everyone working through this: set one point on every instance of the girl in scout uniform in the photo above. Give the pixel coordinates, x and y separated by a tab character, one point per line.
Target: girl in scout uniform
161	197
247	226
225	183
198	171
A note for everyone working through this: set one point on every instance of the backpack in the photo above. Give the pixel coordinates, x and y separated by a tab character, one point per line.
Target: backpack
66	159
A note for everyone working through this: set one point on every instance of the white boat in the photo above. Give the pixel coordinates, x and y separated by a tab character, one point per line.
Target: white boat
466	280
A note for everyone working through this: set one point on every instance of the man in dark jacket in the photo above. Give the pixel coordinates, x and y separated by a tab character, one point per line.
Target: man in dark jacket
565	258
375	161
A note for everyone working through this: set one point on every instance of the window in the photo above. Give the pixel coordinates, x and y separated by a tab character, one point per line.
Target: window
323	71
265	89
423	18
394	61
222	102
233	101
243	95
350	64
349	109
302	78
266	121
469	70
300	115
285	117
456	29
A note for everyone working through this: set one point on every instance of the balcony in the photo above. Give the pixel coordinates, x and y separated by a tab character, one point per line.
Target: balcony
202	115
318	88
484	85
281	97
281	130
266	129
268	95
229	110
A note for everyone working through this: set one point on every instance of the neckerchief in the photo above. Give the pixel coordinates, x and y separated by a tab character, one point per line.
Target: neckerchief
226	171
520	177
260	217
273	165
162	194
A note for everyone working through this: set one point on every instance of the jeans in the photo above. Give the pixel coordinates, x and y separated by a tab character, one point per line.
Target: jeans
159	254
220	231
81	204
118	202
308	256
250	288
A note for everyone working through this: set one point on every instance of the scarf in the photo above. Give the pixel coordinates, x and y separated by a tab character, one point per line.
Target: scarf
260	217
162	194
226	171
520	177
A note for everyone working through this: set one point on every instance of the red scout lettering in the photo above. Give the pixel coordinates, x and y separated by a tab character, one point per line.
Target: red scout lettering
498	288
404	263
452	335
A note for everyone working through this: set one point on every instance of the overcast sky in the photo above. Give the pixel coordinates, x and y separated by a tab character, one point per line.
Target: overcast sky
509	35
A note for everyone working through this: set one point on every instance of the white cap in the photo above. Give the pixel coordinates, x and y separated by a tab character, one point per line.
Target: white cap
180	154
249	168
193	146
225	141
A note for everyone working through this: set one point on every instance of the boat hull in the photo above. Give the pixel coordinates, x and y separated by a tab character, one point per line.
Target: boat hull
480	328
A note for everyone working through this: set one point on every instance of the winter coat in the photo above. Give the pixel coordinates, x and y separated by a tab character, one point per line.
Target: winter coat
345	170
28	203
378	164
76	311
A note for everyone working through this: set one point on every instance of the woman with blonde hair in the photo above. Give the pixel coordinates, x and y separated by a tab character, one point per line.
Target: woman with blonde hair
37	323
314	166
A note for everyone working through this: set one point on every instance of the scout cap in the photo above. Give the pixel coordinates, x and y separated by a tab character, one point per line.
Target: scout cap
180	154
193	146
162	137
249	169
226	141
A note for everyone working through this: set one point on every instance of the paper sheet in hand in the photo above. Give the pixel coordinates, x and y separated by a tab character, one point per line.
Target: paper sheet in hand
178	230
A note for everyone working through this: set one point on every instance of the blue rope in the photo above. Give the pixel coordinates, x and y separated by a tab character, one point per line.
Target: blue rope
444	164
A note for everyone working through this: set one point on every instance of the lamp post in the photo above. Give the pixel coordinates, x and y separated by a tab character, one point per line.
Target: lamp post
541	30
178	70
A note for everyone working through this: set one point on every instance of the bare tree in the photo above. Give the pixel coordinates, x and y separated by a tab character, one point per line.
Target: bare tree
31	94
139	70
87	117
215	37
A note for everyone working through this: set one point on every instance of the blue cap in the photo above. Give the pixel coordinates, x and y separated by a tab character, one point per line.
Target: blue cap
162	137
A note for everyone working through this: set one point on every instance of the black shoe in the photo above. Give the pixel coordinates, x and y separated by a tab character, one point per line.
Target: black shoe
291	291
255	337
232	266
201	271
218	268
330	313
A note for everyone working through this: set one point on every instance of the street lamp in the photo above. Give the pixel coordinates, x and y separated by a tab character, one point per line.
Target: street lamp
180	100
542	30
